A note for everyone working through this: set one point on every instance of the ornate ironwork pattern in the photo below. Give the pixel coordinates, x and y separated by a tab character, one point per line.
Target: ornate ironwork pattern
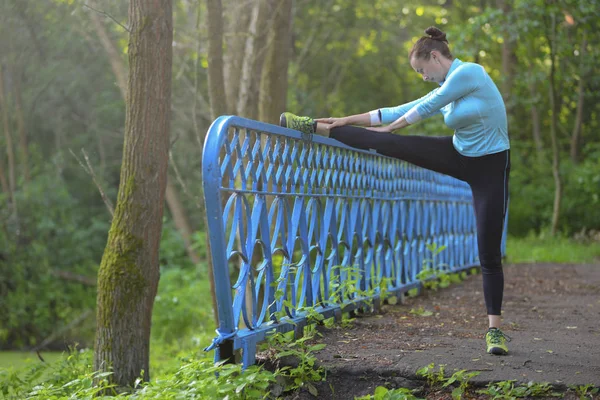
293	219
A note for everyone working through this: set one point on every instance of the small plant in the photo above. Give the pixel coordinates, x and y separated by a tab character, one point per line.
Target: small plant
461	378
421	312
306	372
585	391
383	393
430	277
535	389
437	379
434	378
508	390
503	390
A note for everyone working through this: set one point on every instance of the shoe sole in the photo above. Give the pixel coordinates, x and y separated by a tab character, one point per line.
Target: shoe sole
497	351
282	121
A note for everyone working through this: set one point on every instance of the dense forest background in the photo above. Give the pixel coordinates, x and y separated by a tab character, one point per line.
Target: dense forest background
62	96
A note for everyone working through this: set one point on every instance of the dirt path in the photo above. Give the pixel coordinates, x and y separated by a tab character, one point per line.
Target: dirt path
551	312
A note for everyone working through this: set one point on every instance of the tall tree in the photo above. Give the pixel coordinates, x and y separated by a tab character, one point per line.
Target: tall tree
216	80
9	145
253	56
576	134
218	100
119	69
23	145
508	54
129	271
552	44
235	42
274	81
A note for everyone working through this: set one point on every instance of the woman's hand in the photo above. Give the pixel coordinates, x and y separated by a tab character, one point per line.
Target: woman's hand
333	122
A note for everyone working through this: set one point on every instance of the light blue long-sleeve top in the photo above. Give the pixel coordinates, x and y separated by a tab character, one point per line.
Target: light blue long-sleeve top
471	104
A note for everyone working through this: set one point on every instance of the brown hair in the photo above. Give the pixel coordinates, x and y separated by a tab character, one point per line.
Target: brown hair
435	40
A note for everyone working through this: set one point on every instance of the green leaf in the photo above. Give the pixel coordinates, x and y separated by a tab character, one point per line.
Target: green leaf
313	390
240	388
457	393
317	347
380	392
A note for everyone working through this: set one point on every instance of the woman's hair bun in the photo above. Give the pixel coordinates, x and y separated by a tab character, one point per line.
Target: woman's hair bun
436	34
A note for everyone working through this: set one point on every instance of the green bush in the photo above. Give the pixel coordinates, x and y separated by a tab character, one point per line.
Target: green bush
182	308
532	195
53	232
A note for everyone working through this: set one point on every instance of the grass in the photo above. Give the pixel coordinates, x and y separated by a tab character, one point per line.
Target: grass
533	249
18	359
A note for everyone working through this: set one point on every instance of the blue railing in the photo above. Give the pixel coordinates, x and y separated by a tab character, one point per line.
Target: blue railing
290	218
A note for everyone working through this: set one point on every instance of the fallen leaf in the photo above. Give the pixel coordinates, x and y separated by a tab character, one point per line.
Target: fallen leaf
549	351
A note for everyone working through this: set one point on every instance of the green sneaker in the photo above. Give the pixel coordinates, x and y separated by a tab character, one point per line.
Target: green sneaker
496	342
303	124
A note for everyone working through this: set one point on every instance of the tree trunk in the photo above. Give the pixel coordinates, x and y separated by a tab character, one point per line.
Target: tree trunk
508	56
274	81
218	103
23	144
129	271
176	208
245	106
235	42
535	119
216	81
12	183
263	45
553	128
3	180
576	135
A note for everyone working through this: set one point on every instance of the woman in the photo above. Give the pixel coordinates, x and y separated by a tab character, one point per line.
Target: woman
477	153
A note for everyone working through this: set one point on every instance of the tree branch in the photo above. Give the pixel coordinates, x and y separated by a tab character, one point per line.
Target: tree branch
70	276
82	317
90	171
173	165
109	16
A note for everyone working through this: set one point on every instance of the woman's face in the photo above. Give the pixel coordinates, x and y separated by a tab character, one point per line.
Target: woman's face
431	70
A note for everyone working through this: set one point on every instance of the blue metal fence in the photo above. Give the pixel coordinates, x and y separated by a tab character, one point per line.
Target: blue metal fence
291	218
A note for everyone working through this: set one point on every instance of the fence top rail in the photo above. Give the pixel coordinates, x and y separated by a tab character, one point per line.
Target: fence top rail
249	156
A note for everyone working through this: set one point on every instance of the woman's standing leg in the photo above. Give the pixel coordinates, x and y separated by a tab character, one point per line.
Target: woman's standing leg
488	177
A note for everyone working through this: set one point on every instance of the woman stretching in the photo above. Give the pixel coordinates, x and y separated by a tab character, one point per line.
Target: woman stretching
478	152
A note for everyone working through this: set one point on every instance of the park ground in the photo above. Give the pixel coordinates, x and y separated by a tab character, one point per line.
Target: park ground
551	313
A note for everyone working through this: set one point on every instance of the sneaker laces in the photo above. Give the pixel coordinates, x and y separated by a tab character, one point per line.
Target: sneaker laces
496	336
304	125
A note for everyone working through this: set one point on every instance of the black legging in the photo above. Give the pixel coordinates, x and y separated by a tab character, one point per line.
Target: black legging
487	176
